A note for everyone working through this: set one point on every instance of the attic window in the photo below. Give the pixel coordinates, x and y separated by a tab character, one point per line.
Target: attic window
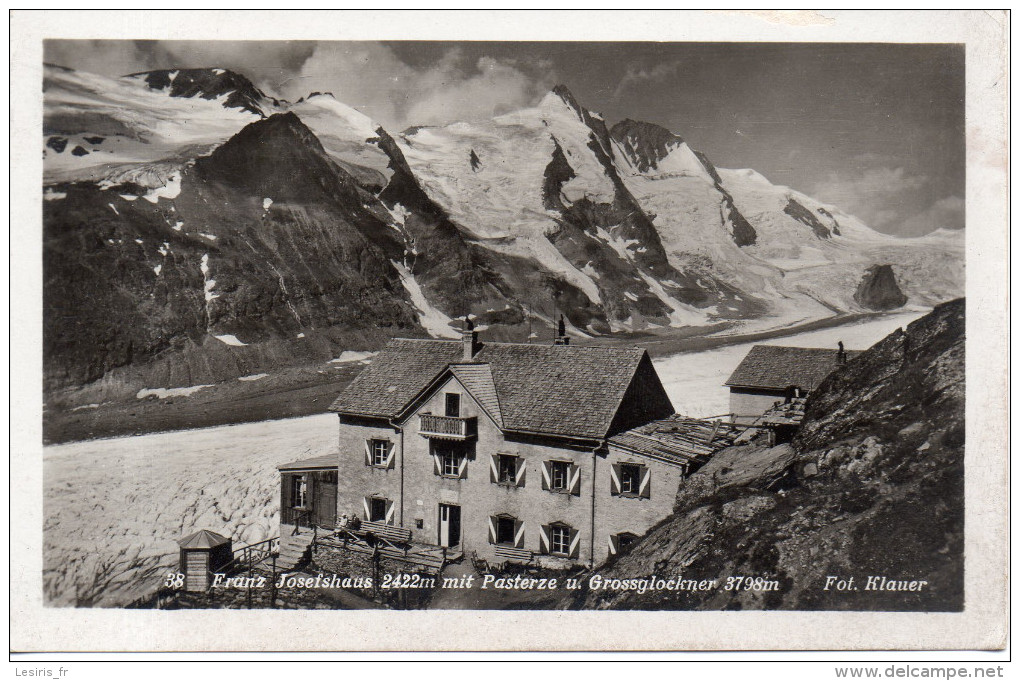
452	404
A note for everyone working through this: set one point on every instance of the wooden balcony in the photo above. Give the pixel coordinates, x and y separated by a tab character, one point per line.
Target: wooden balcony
448	427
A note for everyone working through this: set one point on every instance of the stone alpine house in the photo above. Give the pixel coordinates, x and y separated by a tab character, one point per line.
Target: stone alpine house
555	454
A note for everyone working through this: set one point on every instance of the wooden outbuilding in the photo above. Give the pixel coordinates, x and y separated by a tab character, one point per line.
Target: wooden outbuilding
203	554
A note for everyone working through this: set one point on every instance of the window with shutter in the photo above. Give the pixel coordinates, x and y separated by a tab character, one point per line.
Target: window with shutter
624	539
521	469
543	538
379	453
493	524
506	530
506	469
575	543
559	540
378	509
630	479
574	480
450	462
614	479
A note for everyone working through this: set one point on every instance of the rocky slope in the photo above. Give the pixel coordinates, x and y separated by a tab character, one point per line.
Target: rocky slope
198	209
871	486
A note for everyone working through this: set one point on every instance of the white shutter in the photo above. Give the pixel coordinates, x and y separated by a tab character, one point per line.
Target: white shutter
520	470
462	470
519	534
546	479
613	548
368	452
492	529
494	468
575	543
390	512
368	508
645	491
574	482
438	461
543	539
391	455
614	473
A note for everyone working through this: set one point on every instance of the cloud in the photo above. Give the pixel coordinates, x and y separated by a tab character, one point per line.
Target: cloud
373	79
946	213
878	195
263	61
105	57
639	75
368	76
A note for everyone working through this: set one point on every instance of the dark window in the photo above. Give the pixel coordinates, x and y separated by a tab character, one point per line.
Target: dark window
630	479
507	469
559	474
625	539
559	539
377	510
452	404
298	491
380	452
505	530
419	523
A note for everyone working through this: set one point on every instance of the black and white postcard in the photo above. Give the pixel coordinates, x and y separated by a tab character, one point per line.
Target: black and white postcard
683	327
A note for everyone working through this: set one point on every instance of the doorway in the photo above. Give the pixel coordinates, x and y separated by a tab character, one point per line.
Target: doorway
449	525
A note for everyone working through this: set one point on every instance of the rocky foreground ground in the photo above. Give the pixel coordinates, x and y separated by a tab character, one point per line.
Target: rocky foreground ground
871	487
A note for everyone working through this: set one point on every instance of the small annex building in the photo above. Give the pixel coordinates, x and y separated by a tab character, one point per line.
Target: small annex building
775	374
555	454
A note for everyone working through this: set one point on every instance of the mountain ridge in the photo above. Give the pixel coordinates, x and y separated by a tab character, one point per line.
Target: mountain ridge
514	220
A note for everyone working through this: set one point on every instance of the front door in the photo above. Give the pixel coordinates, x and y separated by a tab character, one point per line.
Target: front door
325	500
449	525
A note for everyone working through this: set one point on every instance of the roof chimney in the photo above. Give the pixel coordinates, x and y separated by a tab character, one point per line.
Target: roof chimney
841	354
470	340
561	333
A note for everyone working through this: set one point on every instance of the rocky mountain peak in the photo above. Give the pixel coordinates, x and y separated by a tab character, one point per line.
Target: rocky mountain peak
209	83
278	157
644	143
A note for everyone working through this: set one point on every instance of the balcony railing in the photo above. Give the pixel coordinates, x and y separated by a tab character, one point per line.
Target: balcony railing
448	427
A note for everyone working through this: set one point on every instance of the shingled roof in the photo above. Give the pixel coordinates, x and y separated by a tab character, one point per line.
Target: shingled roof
678	439
550	389
777	367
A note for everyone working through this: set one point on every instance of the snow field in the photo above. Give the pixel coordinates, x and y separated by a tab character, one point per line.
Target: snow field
113	509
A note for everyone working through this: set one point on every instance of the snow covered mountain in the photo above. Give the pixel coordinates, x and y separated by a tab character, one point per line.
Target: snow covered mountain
272	232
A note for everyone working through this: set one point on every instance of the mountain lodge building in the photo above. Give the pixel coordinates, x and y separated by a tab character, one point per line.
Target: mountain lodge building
556	454
775	374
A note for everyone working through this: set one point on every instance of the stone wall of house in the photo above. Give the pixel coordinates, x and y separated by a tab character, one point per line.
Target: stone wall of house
417	502
476	494
355	479
635	514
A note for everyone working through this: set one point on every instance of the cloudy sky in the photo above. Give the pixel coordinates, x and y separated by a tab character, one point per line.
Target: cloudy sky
876	129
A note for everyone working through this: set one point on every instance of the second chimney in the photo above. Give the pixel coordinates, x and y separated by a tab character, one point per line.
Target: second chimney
561	333
470	340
